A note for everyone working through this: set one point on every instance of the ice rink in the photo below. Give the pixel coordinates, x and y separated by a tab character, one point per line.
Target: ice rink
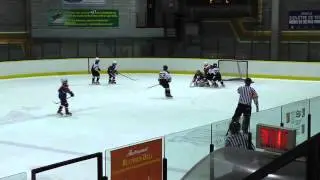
105	116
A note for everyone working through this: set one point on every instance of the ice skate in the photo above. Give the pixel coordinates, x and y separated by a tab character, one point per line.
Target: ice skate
68	113
59	112
169	96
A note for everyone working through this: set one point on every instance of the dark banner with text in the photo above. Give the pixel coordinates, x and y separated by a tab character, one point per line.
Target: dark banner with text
84	18
137	162
79	3
304	20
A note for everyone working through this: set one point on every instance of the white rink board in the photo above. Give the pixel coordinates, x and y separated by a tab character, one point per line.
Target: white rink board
266	68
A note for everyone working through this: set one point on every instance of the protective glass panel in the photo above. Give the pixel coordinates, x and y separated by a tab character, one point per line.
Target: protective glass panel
20	176
83	170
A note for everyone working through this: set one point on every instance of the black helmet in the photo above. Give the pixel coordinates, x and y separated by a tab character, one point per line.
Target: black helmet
215	65
248	81
234	127
64	81
165	67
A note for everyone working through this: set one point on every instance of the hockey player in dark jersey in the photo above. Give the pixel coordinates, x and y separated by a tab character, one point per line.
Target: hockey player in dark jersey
206	68
112	72
216	76
164	80
198	79
63	91
210	75
95	71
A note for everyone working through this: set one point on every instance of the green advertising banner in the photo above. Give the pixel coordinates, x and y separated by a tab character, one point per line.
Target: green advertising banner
84	18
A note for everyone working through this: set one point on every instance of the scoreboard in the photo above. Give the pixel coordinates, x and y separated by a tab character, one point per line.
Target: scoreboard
224	8
304	20
275	139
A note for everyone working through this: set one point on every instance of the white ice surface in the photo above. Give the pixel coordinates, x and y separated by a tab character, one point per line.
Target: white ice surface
105	117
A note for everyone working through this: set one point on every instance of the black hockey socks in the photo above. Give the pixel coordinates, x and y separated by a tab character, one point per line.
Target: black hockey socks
93	80
168	93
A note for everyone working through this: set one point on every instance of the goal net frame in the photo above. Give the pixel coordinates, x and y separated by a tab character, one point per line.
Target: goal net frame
241	73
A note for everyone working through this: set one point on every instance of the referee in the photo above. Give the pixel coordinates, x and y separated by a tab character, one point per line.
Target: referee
236	139
247	94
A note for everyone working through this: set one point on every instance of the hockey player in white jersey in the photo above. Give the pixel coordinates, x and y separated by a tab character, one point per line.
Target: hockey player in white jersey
216	75
95	71
164	80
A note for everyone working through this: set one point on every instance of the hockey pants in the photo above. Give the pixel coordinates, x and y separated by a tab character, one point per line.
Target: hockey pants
63	103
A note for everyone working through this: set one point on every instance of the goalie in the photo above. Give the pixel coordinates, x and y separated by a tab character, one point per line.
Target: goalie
199	80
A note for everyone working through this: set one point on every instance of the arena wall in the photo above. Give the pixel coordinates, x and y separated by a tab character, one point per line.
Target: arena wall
257	69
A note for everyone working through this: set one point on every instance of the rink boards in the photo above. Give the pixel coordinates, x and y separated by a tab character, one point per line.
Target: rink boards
258	69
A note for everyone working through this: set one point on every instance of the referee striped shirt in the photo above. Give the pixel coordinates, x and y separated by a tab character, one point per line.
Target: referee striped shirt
239	140
247	94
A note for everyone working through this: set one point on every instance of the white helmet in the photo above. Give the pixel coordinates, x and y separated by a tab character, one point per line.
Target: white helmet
114	62
97	60
64	80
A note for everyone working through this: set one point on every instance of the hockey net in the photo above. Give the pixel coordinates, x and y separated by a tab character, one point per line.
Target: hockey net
233	70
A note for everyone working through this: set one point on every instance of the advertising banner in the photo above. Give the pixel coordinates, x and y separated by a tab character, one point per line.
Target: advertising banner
83	2
137	162
304	20
84	18
295	116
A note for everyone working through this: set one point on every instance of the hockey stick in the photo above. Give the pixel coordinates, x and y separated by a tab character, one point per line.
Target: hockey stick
57	102
153	86
128	77
191	84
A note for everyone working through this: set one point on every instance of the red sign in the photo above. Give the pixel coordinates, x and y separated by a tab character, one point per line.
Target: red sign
138	162
276	139
273	138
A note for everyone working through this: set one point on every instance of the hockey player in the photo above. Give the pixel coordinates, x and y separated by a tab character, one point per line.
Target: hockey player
206	67
210	75
164	80
216	75
63	91
112	72
95	71
198	79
